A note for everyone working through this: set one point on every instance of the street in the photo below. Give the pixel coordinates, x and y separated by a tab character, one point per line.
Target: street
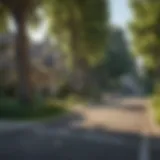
68	138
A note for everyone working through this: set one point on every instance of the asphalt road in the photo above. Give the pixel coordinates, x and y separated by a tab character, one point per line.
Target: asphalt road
63	141
66	139
64	144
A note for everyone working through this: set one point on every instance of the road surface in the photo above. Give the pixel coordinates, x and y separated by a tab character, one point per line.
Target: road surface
69	139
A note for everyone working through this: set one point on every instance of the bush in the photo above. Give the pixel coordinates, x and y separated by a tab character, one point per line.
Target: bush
156	102
12	109
64	91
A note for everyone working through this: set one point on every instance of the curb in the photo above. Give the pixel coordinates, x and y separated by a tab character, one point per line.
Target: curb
9	126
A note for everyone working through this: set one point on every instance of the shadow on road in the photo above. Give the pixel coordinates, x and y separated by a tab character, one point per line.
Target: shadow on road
63	139
68	138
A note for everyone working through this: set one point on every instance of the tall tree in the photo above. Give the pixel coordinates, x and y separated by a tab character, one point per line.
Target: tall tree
20	11
76	29
146	34
80	28
117	60
120	60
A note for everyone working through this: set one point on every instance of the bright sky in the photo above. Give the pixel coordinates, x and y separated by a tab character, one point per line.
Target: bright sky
39	34
120	12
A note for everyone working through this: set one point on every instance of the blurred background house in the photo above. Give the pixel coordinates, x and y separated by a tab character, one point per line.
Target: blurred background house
48	64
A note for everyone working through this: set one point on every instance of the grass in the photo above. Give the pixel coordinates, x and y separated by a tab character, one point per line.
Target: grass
40	109
156	107
72	100
69	102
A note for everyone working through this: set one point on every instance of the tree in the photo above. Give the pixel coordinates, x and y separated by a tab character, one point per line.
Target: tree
81	30
3	18
146	33
117	60
120	60
20	11
76	29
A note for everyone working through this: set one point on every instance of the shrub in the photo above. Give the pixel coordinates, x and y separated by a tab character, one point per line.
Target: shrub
12	109
156	102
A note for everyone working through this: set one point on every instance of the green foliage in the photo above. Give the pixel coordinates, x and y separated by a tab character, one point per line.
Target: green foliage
156	106
119	58
12	109
80	27
116	61
146	40
148	82
4	17
7	9
145	29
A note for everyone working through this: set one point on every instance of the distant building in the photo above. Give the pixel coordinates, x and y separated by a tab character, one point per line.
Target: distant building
48	62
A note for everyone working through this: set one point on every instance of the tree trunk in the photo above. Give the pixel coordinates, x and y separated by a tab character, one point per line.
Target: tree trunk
22	58
77	79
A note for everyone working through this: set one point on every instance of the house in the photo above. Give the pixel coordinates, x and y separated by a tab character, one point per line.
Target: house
48	63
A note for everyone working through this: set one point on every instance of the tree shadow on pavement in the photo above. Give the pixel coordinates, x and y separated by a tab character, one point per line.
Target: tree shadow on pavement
65	138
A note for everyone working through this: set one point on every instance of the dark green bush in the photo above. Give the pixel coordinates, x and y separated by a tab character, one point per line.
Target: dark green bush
13	109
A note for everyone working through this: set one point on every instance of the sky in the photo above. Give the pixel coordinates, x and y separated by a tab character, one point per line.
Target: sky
121	15
120	12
